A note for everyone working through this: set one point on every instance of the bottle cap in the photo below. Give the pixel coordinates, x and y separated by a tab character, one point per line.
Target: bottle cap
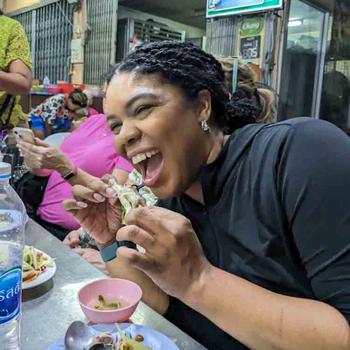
5	171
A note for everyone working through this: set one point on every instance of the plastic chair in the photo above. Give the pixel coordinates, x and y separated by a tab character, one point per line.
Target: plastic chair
56	139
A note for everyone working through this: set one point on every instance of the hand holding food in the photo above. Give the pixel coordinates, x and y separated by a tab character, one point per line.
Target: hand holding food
100	208
173	256
96	209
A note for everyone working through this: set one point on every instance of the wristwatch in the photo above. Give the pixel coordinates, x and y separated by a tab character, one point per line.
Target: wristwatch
109	252
70	174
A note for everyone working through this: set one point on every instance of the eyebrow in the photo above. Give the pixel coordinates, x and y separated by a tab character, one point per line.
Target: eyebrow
138	97
111	118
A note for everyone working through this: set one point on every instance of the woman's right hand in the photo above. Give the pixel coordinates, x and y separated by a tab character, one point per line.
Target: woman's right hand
96	209
41	155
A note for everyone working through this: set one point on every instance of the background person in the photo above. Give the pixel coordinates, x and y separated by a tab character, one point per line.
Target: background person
15	72
262	99
87	151
59	113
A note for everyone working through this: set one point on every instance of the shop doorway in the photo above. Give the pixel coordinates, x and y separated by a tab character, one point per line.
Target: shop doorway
335	103
302	61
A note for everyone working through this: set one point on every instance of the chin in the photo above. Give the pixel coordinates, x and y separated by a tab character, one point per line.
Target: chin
163	193
166	191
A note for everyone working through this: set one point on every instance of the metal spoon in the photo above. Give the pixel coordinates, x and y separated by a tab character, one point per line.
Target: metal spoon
78	337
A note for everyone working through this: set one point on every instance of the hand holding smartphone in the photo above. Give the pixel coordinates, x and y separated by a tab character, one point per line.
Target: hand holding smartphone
24	134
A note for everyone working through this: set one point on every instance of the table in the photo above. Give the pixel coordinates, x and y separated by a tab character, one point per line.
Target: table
50	308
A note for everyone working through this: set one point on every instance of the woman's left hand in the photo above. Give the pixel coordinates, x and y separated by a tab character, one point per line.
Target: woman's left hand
173	256
43	156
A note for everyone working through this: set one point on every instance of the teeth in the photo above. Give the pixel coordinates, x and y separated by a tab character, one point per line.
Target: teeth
142	156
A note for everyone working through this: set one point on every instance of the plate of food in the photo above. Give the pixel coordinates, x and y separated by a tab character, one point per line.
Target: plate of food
38	267
124	336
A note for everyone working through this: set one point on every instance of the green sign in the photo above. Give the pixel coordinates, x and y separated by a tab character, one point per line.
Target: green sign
252	26
233	7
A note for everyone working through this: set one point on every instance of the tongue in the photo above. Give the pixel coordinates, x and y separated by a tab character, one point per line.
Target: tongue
153	166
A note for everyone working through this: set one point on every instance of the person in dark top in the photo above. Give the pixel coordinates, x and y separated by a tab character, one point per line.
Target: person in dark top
250	244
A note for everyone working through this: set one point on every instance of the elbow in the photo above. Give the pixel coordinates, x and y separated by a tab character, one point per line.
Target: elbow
346	341
23	83
342	336
25	86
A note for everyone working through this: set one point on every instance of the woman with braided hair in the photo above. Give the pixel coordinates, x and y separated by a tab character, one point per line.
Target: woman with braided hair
249	245
262	99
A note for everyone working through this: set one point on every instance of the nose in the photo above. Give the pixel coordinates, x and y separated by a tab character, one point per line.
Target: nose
128	135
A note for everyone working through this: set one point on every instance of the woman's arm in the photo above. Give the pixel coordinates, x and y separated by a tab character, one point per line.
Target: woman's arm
18	80
263	320
152	295
313	184
256	317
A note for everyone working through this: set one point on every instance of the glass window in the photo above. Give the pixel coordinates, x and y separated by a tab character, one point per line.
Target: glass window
335	102
301	61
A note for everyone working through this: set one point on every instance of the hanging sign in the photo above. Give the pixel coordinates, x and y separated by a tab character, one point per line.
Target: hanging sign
233	7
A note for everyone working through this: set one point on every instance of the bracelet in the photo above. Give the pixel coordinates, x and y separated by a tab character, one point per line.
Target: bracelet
109	252
71	173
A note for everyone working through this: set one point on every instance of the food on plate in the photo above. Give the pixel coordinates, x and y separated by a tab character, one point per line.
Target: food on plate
127	343
103	338
123	343
34	263
103	305
139	338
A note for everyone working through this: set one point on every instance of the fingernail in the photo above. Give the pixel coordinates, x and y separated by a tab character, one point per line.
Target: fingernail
82	204
110	192
98	197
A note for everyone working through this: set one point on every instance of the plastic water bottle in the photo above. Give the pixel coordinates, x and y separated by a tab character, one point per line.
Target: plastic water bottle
46	82
12	222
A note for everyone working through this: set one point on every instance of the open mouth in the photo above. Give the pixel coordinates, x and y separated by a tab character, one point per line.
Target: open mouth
150	165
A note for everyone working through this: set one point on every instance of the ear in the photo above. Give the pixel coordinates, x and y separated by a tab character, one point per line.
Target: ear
203	107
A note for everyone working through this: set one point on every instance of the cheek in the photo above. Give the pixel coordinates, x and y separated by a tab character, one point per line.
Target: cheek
118	146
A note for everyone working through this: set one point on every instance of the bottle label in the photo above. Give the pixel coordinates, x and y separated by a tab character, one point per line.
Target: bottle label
10	294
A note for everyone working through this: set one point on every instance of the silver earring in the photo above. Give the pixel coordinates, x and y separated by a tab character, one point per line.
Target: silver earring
205	126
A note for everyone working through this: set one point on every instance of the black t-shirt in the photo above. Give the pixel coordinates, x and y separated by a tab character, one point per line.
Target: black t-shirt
277	213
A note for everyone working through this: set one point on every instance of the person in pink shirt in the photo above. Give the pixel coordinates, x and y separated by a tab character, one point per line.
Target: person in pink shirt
88	151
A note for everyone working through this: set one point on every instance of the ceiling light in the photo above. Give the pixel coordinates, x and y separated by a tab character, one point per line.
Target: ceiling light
295	23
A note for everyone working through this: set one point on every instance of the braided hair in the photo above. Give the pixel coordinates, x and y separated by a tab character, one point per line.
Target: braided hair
192	70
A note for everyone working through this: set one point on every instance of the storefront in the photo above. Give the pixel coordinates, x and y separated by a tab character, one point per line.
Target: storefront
315	69
300	50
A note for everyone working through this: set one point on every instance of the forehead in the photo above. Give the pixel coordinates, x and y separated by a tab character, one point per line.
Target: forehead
125	86
124	83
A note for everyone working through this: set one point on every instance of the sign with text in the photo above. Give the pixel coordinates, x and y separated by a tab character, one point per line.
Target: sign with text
233	7
250	48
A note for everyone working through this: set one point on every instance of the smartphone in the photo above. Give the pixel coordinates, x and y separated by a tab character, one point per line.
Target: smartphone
24	134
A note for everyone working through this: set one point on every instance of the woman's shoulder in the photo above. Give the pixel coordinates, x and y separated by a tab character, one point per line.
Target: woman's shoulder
266	145
291	130
9	23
